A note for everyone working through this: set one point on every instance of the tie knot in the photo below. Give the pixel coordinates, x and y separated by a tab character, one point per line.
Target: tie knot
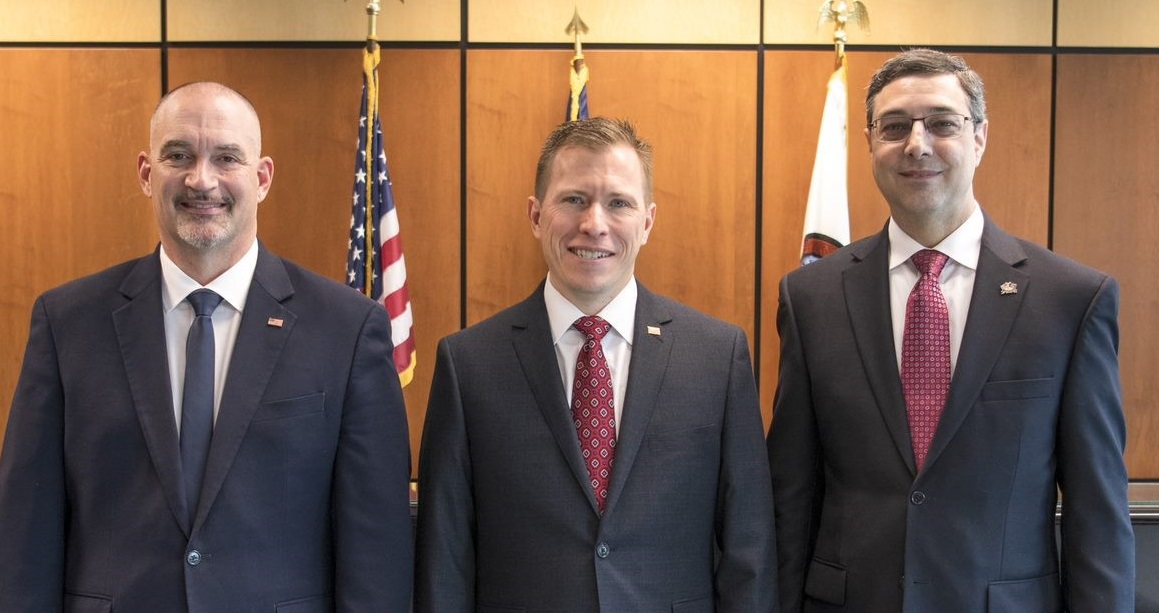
204	302
930	262
592	326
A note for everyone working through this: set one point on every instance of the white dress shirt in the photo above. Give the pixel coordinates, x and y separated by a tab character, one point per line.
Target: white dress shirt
957	279
233	286
620	313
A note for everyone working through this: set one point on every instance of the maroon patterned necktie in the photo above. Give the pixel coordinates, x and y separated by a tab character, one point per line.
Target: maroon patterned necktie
925	352
592	406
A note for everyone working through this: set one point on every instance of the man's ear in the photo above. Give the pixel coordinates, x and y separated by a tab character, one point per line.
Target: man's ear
144	169
533	214
980	140
649	222
265	177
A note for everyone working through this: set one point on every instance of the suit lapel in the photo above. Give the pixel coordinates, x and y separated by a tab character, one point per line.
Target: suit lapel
255	353
532	341
140	329
649	363
991	315
866	284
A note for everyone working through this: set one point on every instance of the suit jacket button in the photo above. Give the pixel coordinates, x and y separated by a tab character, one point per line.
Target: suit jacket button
602	550
193	558
917	497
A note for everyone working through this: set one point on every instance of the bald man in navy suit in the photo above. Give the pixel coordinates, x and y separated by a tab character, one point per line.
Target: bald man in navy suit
303	506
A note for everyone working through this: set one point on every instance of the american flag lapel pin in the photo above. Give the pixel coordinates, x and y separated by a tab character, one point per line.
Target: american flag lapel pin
1008	287
654	330
274	322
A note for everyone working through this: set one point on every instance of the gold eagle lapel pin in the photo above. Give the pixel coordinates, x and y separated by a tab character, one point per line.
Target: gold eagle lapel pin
1008	287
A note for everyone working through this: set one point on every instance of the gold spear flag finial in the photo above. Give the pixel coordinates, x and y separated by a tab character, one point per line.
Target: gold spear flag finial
575	28
840	13
577	101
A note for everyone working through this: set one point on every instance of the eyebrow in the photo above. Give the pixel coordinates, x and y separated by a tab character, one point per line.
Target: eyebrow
175	144
933	110
234	149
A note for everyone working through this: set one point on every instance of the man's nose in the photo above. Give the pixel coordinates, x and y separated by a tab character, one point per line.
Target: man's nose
594	219
917	143
201	176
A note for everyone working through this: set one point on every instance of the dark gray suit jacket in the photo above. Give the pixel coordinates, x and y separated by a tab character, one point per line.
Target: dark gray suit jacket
304	507
507	520
1034	407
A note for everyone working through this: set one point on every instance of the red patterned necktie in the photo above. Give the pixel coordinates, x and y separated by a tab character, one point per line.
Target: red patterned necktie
925	352
592	406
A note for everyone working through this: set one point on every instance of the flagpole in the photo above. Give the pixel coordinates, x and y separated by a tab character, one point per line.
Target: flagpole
840	37
578	77
370	70
373	8
826	227
375	263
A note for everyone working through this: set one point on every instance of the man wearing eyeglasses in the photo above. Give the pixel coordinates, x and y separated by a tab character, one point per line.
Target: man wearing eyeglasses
940	384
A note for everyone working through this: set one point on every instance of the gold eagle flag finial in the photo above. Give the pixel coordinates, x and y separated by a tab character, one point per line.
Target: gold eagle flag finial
841	13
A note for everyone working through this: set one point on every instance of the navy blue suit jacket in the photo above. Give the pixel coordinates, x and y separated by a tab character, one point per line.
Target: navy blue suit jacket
1034	407
508	520
304	506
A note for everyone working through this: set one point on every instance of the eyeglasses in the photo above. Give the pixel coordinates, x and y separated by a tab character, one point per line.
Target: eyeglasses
895	128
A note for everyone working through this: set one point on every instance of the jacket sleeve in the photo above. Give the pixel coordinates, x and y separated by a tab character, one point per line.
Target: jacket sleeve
794	451
33	502
746	572
374	549
445	570
1098	546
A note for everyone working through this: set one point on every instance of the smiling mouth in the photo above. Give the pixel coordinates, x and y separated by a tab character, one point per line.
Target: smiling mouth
589	254
203	206
920	174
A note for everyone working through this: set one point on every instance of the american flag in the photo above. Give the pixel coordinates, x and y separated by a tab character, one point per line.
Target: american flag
374	263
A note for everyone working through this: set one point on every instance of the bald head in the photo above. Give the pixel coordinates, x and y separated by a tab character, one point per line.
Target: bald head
221	96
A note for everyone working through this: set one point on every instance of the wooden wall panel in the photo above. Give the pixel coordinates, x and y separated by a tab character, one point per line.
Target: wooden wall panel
1105	214
795	86
73	122
1107	23
640	21
108	21
308	101
1012	184
514	98
310	20
920	22
698	109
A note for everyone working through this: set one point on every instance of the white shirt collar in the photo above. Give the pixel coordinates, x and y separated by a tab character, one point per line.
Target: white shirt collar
620	312
962	245
233	285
